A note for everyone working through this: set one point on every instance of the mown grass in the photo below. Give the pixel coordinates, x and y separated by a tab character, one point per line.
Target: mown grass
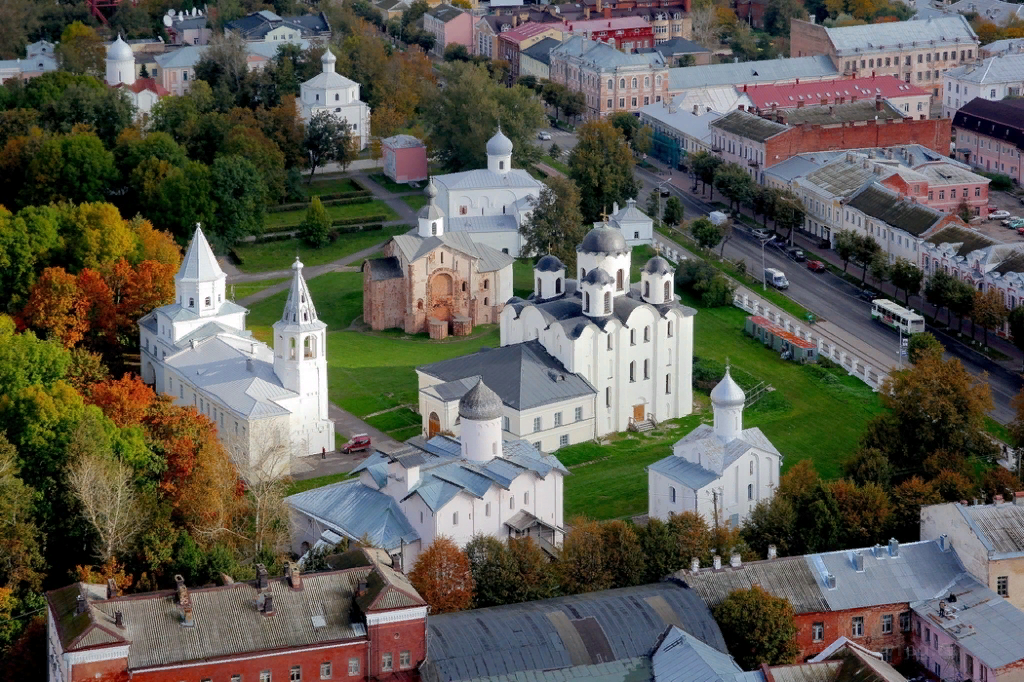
242	289
336	212
278	255
331	186
415	201
393	187
308	484
338	298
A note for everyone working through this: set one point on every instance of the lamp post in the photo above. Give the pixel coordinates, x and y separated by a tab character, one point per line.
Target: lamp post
658	190
764	276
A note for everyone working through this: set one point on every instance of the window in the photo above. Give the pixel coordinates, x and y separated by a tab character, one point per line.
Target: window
386	662
905	621
536	446
296	673
608	396
818	632
750	491
622	82
670	321
404	660
191	303
236	678
558	418
607	302
264	676
536	424
455	518
622	102
668	384
887	624
887	654
632	337
858	626
512	502
647	334
1003	586
970	665
579	414
563	440
668	298
647	366
632	372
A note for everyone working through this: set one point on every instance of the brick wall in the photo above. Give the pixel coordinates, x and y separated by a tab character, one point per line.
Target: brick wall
934	134
807	39
394	638
383	302
104	671
840	624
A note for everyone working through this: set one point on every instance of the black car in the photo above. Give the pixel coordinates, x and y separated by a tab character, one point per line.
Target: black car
867	295
796	254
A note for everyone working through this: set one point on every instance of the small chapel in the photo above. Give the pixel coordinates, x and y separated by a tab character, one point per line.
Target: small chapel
269	403
720	471
144	93
332	92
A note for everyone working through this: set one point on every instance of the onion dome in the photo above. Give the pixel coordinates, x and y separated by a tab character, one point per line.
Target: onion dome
598	276
499	145
657	266
431	189
604	239
728	393
549	264
120	51
328	57
480	403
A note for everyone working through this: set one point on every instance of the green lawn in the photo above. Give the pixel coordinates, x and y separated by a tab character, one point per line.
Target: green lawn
522	277
415	201
331	186
278	255
243	289
310	483
393	187
370	208
338	297
556	164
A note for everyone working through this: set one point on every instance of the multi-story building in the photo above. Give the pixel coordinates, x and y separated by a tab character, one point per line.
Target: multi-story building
995	78
610	80
512	43
668	18
678	132
623	33
266	27
916	52
1001	47
910	99
449	24
536	60
188	28
486	30
366	622
331	92
990	136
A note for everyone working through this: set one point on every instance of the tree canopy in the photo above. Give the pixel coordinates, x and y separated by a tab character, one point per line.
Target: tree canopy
601	165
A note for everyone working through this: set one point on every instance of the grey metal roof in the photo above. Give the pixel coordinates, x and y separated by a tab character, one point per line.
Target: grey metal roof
598	276
549	263
995	11
489	259
920	571
1001	69
769	70
541	51
554	634
355	510
750	126
603	239
1000	528
981	622
524	375
792	168
892	209
826	671
445	13
679	46
402	141
480	403
684	472
657	266
628	214
849	112
1005	46
482	223
626	670
684	658
604	56
788	577
841	178
944	31
183	57
199	263
702	446
482	178
968	240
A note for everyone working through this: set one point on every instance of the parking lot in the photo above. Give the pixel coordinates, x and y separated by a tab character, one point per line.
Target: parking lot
994	229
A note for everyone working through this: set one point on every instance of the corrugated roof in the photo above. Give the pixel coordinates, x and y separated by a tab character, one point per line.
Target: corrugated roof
684	472
1000	527
842	178
892	209
793	167
826	671
555	634
788	95
355	510
996	11
750	126
741	73
969	240
850	112
682	657
524	375
944	31
789	577
481	178
1000	69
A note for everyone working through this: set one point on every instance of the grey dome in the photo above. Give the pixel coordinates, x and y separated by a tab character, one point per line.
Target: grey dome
549	264
657	266
120	51
598	276
499	145
480	403
728	393
431	189
604	239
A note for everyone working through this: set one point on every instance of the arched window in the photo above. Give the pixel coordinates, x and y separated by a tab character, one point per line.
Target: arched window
309	347
583	273
487	284
558	285
337	97
751	467
463	286
672	495
512	502
647	369
291	348
647	81
419	304
668	292
607	302
657	80
647	334
622	82
610	346
191	303
611	84
750	491
619	279
632	371
208	302
634	82
647	289
486	301
586	296
668	384
540	288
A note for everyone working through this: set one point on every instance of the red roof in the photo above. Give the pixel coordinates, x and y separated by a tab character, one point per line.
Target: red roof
527	30
778	331
789	95
141	84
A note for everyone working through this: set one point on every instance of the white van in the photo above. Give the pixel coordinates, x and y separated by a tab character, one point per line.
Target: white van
776	278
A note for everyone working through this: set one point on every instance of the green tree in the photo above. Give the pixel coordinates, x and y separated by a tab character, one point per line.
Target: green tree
960	300
771	522
574	103
673	211
937	291
706	233
653	206
964	211
316	227
555	225
777	14
880	268
907	276
989	310
581	560
705	166
762	202
535	574
865	252
1016	322
494	574
734	183
626	123
240	195
846	246
81	50
623	554
907	499
601	164
186	199
758	628
553	95
923	344
659	551
327	139
108	111
789	211
869	466
642	140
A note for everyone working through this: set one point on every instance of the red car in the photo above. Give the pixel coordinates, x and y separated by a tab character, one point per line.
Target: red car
360	441
815	266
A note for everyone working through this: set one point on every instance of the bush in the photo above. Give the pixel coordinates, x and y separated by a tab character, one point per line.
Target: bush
316	227
707	373
1000	182
336	199
703	280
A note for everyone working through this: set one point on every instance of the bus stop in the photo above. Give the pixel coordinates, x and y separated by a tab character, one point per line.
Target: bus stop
791	346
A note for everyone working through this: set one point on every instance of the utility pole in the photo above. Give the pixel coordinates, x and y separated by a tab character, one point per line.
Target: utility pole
764	275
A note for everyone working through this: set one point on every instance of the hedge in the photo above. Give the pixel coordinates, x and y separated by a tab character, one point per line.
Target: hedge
362	196
362	220
342	227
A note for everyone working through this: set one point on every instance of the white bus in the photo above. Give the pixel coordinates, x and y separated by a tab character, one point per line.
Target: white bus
896	316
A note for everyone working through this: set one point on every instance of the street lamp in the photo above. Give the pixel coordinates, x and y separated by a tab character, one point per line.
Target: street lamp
658	191
764	275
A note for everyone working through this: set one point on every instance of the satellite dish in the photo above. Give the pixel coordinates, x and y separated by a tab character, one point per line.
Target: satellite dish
170	12
168	21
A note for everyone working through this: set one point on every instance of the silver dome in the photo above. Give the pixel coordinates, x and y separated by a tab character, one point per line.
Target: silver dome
728	393
604	239
499	145
657	266
549	263
480	403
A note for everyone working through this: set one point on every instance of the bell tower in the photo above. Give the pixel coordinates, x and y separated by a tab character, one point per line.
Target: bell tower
200	283
300	345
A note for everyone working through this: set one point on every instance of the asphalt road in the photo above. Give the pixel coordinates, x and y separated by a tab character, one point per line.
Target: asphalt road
831	298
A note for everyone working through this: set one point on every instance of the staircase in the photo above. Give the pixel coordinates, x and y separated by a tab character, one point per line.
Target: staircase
642	426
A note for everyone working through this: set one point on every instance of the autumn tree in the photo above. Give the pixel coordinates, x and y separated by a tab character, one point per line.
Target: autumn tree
758	628
999	481
623	554
443	577
601	165
907	499
316	226
869	465
105	490
125	401
691	537
771	522
81	50
923	344
863	510
54	308
581	560
555	225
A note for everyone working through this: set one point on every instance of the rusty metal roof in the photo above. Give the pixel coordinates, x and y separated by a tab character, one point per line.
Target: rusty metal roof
788	577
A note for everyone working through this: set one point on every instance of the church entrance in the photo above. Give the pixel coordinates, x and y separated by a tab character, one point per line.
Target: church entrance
433	425
440	295
638	412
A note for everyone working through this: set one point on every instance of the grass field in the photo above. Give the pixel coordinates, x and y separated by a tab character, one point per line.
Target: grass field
345	211
278	255
415	201
243	289
338	297
393	187
331	186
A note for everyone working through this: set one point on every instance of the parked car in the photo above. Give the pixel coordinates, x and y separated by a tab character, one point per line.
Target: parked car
1009	220
544	135
666	192
1015	223
998	215
360	441
1020	231
796	254
816	266
760	233
866	295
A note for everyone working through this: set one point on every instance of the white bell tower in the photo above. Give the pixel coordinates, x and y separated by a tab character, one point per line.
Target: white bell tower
300	344
480	409
200	283
430	218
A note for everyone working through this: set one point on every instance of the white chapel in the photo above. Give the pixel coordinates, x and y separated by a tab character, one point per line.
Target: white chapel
120	73
721	471
269	404
330	91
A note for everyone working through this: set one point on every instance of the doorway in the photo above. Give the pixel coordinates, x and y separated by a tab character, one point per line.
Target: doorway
638	412
433	425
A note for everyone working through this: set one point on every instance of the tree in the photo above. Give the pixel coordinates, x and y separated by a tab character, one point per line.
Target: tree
494	576
863	510
762	202
626	123
705	26
55	308
905	275
673	211
327	139
964	211
653	206
734	183
865	251
960	300
443	577
623	554
581	560
758	628
705	166
259	466
316	227
907	499
789	211
535	573
771	522
777	14
601	165
846	246
575	103
555	224
240	195
1016	321
125	401
691	537
21	560
659	551
937	291
81	50
553	95
456	52
879	268
706	233
999	481
105	489
989	310
923	344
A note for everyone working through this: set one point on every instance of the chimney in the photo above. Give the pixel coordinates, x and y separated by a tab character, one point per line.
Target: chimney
586	12
80	605
858	561
944	543
111	588
185	601
744	87
830	581
878	102
735	560
824	101
695	565
294	575
997	500
268	604
772	551
831	109
876	551
894	547
696	110
1018	498
261	577
248	365
118	620
800	105
942	609
717	562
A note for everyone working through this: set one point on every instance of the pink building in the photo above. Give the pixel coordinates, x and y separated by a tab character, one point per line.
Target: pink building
449	25
405	158
990	135
942	186
910	99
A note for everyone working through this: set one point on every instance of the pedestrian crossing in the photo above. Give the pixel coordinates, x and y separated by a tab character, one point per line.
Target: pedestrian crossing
555	134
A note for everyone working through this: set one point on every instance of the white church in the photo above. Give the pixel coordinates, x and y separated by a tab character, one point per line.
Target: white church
721	471
120	73
479	482
269	404
330	91
581	357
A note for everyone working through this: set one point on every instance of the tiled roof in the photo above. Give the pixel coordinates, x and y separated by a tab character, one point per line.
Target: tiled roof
892	209
527	30
731	73
999	527
524	375
849	112
873	37
749	126
555	634
786	95
1003	120
414	247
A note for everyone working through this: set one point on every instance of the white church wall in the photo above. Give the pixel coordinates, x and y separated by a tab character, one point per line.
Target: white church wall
549	435
506	241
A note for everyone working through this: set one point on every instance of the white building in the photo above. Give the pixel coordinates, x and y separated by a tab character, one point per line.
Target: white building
721	471
38	60
456	487
633	223
269	404
993	79
143	92
330	91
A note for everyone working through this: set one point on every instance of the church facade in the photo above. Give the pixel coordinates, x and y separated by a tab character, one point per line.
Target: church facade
435	281
332	92
269	403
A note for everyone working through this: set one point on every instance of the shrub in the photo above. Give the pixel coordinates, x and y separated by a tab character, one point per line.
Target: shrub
703	280
315	229
1000	182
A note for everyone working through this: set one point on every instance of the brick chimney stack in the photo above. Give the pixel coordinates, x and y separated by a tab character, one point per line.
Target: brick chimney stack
294	575
184	601
262	582
878	102
111	588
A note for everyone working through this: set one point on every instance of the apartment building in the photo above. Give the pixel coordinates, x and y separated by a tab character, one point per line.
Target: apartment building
990	135
993	79
678	132
910	99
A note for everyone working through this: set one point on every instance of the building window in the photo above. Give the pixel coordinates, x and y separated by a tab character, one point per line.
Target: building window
558	418
536	424
818	632
505	423
487	509
386	662
668	384
579	414
455	518
887	624
670	322
236	678
858	626
1003	586
404	659
608	396
607	302
672	494
887	654
264	676
296	673
970	665
647	366
325	670
632	337
905	621
563	440
512	502
632	372
750	491
647	334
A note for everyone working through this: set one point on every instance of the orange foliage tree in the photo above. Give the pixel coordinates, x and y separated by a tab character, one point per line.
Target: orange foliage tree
126	400
443	577
137	290
55	309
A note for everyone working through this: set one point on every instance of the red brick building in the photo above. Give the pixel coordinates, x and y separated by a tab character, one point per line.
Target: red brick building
364	622
625	33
